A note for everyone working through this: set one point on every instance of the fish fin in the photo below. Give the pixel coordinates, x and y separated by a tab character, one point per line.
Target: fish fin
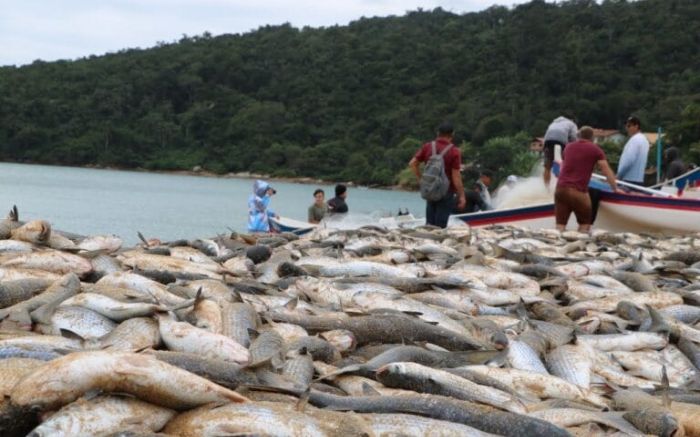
414	314
521	310
368	390
43	314
268	320
261	363
253	333
292	303
303	400
142	238
13	215
658	324
90	254
177	307
665	387
344	370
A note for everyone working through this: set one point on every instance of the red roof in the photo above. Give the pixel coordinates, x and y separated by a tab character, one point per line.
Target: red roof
604	133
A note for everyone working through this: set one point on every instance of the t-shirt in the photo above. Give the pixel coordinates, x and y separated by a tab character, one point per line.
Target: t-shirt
561	130
316	213
580	159
337	205
453	157
633	160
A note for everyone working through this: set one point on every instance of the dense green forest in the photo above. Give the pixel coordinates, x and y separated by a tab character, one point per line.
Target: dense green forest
353	102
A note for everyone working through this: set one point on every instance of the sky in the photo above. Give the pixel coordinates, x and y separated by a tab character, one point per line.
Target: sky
69	29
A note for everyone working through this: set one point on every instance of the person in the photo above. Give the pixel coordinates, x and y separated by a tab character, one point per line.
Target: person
337	204
633	160
506	187
673	163
438	212
571	193
259	212
479	198
560	132
318	209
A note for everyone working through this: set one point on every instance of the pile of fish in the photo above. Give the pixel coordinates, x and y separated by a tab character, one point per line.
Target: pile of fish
366	332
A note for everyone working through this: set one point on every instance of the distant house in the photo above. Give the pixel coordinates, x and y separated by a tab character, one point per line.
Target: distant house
611	135
652	137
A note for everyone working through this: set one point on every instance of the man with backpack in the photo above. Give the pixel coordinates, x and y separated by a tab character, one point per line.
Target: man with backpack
441	182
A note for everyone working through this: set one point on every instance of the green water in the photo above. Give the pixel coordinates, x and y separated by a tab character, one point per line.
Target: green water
91	201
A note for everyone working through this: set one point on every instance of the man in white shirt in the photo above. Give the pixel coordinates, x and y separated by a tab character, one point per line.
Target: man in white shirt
633	160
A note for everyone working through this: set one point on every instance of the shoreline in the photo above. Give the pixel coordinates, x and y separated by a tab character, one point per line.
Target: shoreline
240	175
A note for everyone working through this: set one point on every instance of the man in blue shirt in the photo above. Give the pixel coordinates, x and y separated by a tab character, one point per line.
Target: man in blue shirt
633	160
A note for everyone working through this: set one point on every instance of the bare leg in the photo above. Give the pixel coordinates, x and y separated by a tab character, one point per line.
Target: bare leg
584	228
561	227
547	176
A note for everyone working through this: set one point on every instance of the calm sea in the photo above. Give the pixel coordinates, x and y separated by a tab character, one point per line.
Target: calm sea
91	201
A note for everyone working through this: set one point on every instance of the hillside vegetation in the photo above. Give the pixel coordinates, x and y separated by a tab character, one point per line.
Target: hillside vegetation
353	102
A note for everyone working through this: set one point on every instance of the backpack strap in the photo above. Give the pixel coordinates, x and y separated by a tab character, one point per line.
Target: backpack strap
444	151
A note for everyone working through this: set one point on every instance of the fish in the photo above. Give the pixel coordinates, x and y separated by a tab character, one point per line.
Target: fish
542	386
223	373
184	337
685	414
423	379
107	243
410	425
567	417
132	335
65	379
141	285
387	328
112	308
35	231
299	367
63	288
443	408
54	261
14	292
522	356
629	341
262	417
14	370
82	322
571	363
102	415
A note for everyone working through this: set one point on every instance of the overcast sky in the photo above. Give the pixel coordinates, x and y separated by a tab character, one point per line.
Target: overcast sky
70	29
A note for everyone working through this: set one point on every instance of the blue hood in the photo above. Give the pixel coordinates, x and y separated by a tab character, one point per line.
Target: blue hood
260	187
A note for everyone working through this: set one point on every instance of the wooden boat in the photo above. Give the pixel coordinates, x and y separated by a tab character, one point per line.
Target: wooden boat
639	210
285	224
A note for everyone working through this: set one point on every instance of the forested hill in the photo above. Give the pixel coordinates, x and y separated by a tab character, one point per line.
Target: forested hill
349	102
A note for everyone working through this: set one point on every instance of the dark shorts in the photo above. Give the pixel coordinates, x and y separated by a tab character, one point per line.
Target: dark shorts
568	200
438	213
549	152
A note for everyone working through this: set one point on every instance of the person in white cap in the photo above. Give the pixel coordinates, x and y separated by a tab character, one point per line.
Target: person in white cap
505	188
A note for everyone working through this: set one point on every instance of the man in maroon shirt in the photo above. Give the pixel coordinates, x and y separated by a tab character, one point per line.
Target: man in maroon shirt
571	195
437	213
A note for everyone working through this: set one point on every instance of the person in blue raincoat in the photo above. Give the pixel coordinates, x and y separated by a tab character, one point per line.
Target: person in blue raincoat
259	212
